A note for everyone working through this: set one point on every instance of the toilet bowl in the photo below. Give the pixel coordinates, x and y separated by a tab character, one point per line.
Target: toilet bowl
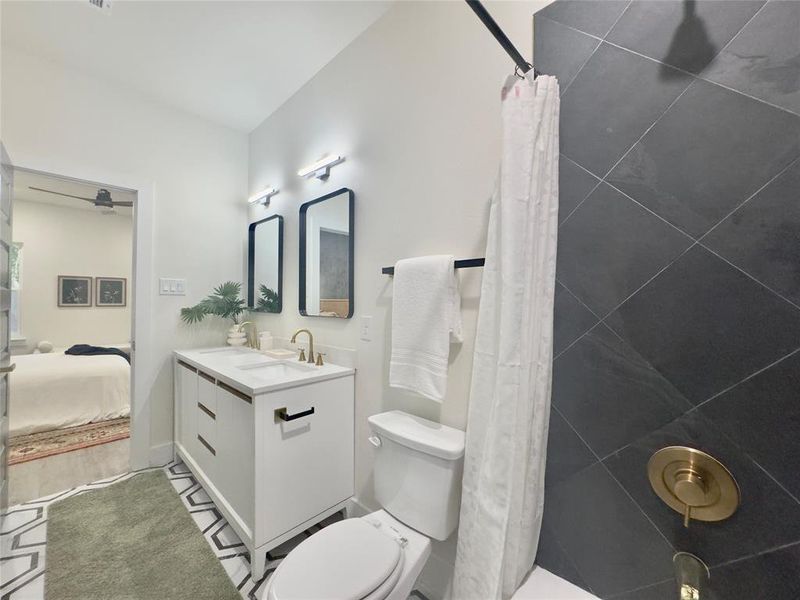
417	471
369	558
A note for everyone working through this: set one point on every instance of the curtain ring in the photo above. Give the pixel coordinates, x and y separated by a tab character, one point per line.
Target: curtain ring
522	75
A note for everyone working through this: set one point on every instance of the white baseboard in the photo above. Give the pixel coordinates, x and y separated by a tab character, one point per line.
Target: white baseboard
161	454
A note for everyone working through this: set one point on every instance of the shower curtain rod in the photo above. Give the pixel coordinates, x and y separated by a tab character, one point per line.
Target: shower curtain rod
464	263
483	14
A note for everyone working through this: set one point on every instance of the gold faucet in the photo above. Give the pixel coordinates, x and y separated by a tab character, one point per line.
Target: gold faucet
310	344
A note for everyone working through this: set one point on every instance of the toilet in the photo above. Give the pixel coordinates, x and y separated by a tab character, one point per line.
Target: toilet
417	475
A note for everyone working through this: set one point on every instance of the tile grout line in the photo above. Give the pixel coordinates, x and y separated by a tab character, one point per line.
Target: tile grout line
578	339
591	191
769	182
756	555
741	29
642	588
569	557
744	380
577	206
560	414
582	303
771	476
645	284
695	408
607	470
646	131
696	242
618	19
685	72
599	42
655	214
762	284
636	504
698	77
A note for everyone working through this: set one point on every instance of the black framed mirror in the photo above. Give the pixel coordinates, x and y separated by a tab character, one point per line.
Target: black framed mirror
326	255
265	265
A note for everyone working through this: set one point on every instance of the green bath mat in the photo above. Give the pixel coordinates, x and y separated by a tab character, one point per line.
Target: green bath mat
133	540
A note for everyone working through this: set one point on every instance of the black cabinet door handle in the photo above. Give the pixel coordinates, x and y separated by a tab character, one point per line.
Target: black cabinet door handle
281	414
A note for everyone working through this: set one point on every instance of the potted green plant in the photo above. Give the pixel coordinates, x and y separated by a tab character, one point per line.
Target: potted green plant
224	302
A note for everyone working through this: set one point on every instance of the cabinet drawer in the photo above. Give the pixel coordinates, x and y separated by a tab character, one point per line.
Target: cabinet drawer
186	407
207	391
207	425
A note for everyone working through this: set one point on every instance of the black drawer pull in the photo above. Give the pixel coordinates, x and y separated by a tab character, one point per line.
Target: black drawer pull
235	392
187	366
208	446
206	410
280	413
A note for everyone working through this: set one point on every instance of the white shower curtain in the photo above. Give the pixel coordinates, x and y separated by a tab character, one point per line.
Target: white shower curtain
503	489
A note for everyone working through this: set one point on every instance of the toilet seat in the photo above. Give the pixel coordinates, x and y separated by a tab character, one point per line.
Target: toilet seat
349	560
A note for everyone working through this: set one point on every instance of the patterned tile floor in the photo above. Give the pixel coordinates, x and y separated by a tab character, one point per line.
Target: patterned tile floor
23	539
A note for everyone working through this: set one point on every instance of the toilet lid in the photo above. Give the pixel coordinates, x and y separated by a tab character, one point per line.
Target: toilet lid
346	561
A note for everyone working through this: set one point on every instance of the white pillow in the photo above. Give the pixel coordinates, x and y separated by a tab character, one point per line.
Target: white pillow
44	347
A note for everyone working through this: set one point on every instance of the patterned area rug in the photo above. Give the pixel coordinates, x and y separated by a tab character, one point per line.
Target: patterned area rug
48	443
23	540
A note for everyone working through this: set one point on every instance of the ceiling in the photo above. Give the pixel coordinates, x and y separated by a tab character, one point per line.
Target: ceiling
24	180
233	62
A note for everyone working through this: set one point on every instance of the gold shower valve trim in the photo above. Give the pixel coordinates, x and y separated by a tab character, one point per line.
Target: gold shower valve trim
693	483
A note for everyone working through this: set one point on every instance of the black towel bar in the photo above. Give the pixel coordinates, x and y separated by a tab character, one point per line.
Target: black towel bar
465	263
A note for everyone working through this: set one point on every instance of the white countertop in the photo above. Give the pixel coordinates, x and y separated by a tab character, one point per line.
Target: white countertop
254	373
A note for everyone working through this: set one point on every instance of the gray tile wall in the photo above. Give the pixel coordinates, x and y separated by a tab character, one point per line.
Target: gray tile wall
678	296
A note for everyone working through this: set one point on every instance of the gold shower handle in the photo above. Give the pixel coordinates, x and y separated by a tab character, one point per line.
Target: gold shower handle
693	483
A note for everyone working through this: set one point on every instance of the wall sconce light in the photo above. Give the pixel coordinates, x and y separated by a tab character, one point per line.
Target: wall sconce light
322	168
263	196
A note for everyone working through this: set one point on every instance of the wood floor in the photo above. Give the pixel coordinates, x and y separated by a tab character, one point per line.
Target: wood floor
39	478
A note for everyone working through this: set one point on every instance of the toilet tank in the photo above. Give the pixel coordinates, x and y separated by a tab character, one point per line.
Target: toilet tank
417	472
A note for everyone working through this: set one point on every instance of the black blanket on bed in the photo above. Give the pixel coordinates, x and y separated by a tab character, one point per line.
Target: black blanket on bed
87	350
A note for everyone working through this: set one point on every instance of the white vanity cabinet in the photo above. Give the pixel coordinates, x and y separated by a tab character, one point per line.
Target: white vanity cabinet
275	455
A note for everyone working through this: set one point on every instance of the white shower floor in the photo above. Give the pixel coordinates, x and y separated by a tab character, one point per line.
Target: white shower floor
543	585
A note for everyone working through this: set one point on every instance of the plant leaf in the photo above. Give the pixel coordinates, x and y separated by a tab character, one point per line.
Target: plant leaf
193	314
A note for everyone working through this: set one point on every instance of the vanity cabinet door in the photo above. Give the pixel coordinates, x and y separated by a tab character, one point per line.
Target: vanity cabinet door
236	451
186	422
303	466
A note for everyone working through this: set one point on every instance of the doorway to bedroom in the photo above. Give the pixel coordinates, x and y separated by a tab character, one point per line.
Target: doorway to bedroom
70	326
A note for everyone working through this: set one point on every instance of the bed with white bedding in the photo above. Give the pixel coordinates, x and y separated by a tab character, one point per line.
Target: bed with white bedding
55	390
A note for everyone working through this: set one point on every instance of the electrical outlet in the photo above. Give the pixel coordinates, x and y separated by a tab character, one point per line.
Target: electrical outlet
171	287
366	328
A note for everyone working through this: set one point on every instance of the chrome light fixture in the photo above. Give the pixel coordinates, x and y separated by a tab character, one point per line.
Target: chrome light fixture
263	196
322	168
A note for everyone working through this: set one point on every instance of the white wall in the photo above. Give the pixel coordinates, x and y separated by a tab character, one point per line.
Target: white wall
67	122
413	104
59	240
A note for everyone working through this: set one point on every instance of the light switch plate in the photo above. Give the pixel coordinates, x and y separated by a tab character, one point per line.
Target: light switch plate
171	287
366	329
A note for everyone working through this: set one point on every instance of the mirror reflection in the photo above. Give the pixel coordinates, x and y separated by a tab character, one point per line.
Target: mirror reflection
265	265
326	256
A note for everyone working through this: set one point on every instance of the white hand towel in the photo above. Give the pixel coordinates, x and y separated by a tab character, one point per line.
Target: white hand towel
426	317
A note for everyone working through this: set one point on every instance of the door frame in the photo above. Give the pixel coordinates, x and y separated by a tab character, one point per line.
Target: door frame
143	368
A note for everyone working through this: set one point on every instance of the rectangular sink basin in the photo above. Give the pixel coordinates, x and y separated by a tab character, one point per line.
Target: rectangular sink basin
277	370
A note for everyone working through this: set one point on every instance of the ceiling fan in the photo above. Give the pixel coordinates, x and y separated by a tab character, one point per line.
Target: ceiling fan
102	200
